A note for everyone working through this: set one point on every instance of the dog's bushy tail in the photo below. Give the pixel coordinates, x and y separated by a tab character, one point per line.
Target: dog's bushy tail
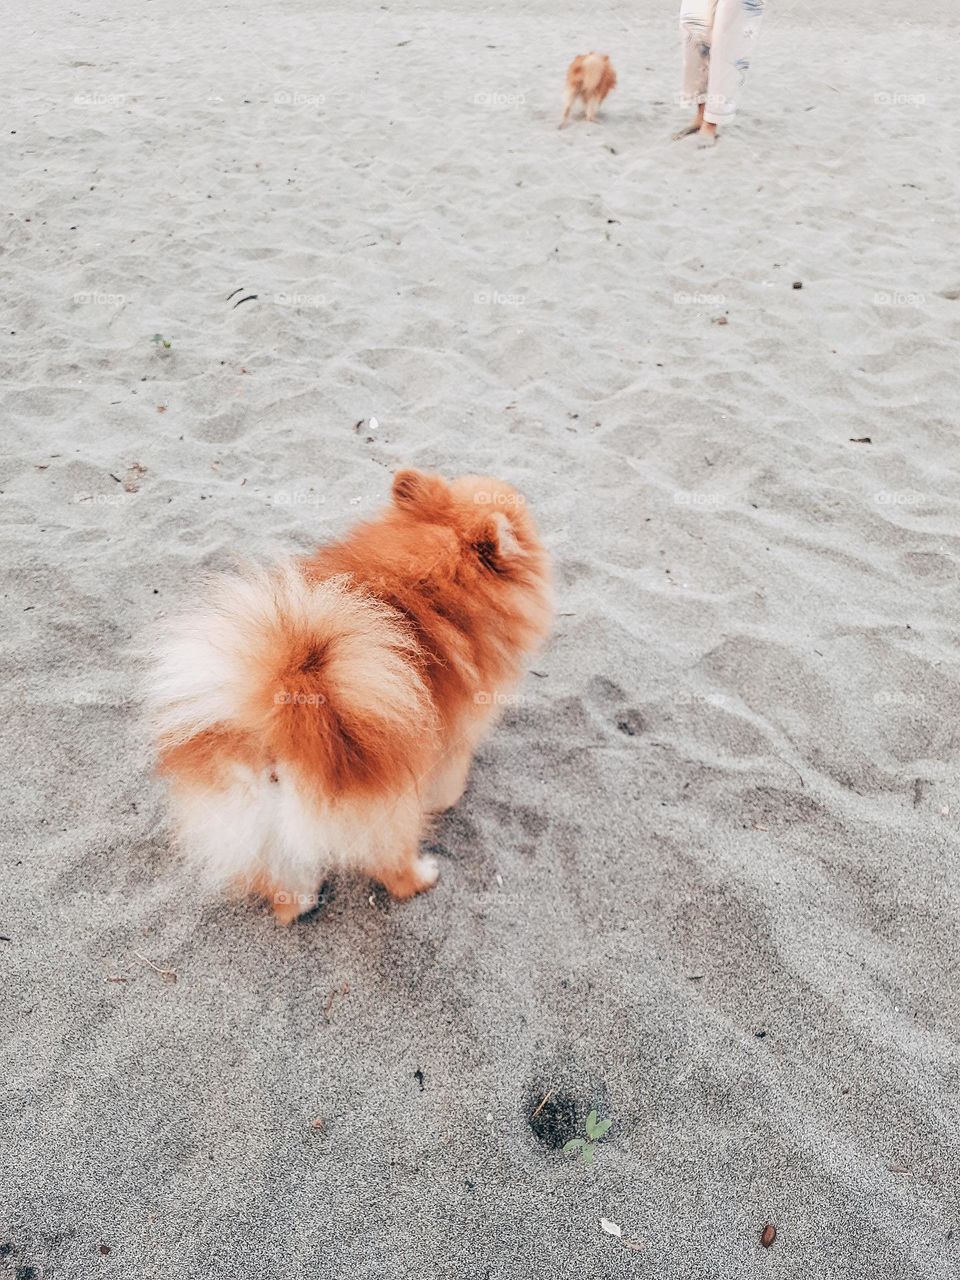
592	71
275	669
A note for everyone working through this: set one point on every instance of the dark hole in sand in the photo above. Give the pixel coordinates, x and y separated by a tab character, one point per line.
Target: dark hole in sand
556	1121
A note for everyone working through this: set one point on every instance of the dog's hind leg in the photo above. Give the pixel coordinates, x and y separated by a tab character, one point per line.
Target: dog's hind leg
446	783
415	874
569	98
394	852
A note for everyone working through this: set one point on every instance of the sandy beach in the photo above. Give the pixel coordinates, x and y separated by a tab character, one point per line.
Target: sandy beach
704	879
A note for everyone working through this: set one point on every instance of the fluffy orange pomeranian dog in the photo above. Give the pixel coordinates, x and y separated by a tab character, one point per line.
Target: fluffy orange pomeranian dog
590	76
313	716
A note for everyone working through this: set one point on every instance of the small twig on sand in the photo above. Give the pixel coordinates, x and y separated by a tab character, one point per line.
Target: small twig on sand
116	978
344	990
168	975
546	1099
795	770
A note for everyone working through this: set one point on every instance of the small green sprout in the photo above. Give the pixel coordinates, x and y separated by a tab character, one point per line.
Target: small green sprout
588	1146
159	340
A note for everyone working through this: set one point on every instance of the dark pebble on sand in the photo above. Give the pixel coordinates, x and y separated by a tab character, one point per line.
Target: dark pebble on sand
631	723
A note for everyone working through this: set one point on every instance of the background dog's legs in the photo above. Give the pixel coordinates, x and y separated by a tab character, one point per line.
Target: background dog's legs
592	106
569	98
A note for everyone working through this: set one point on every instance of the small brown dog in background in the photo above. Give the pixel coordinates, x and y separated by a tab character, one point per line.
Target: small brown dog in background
590	76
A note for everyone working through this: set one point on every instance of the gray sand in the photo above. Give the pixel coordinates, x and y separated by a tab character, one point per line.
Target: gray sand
705	876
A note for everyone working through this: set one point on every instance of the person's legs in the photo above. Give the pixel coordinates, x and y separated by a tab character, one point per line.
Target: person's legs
735	27
696	23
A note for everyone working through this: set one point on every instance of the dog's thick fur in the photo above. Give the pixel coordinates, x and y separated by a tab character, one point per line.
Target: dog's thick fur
590	76
313	716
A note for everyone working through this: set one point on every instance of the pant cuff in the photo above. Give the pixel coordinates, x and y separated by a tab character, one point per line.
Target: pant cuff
719	117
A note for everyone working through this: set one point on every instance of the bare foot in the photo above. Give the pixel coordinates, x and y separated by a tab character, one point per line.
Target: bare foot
706	134
692	127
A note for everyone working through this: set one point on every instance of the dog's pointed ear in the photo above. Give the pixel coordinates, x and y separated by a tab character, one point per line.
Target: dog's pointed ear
496	543
416	491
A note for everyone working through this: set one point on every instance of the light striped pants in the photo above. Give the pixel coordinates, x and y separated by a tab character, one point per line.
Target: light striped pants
718	36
